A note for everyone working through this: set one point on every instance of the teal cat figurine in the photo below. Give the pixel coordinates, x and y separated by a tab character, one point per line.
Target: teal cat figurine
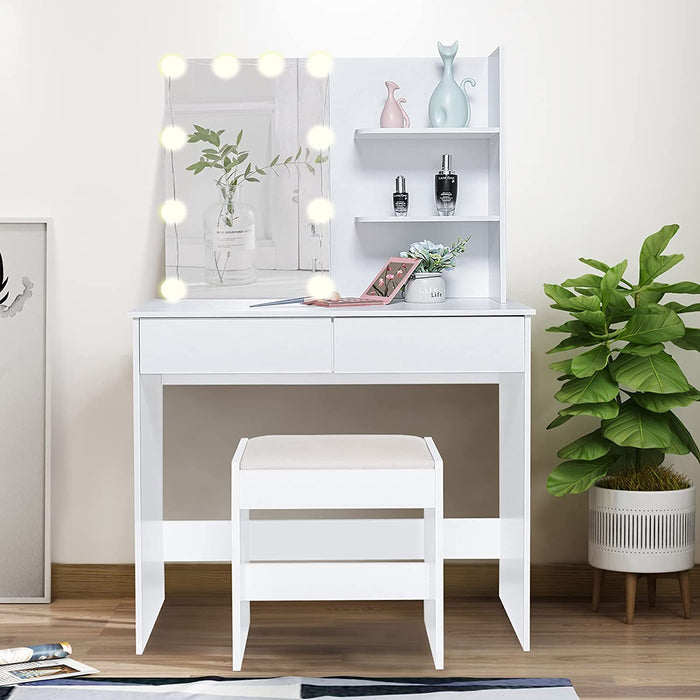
449	103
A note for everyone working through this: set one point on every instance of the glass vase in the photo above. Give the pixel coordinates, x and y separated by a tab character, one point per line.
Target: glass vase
229	242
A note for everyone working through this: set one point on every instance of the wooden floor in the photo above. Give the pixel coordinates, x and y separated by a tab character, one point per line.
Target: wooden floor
657	657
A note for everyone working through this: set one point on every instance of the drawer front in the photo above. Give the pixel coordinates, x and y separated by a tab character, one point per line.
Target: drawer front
443	344
211	346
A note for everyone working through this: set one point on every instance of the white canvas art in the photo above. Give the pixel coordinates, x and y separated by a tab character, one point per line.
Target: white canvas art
23	411
263	243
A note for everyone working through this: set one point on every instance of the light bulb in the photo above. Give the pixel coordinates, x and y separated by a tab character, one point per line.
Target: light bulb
173	66
173	138
173	211
320	137
320	286
225	66
320	210
319	64
271	64
173	289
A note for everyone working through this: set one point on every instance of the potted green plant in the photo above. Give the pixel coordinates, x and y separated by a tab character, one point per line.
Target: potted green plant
229	225
427	285
641	512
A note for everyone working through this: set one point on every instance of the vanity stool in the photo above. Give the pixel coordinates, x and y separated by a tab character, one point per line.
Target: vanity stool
331	472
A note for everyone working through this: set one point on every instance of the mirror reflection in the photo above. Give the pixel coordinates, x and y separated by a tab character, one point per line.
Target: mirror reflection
246	153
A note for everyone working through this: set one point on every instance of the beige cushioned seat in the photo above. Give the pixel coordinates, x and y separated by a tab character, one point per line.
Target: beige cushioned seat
337	452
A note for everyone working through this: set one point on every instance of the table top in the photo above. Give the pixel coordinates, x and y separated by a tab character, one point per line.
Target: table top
241	308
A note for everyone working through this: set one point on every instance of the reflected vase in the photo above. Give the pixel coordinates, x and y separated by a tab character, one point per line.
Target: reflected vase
229	242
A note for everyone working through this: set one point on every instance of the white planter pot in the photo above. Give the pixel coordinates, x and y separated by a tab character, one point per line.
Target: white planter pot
641	531
425	288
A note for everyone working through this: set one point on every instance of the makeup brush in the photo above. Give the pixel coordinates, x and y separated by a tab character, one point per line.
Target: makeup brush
297	300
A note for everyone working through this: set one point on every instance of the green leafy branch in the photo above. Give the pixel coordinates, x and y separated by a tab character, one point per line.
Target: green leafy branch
624	377
232	160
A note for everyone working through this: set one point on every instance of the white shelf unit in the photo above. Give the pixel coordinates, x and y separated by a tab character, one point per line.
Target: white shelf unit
366	160
433	134
409	220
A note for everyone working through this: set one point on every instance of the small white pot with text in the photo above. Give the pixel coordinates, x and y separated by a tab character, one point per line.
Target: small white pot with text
425	288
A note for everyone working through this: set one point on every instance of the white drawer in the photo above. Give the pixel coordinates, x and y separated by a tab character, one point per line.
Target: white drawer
211	346
437	344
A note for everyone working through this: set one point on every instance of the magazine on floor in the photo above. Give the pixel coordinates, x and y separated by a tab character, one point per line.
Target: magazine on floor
41	662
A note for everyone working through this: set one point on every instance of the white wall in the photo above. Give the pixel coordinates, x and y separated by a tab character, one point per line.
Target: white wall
602	146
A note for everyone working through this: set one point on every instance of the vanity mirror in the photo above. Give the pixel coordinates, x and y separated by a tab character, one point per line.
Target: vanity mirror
246	175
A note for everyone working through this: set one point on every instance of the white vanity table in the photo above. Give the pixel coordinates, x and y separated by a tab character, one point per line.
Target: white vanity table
477	337
225	342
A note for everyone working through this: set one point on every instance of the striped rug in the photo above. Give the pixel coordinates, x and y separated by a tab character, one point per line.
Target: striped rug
295	688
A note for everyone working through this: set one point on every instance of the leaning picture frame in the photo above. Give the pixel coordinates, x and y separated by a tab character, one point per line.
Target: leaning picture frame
25	441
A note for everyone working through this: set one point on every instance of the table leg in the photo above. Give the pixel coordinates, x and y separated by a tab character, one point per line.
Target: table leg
630	596
148	499
651	589
684	582
598	579
514	496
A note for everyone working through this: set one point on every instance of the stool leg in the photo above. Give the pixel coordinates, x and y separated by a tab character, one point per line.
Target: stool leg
240	554
240	608
684	582
434	607
598	578
651	589
630	596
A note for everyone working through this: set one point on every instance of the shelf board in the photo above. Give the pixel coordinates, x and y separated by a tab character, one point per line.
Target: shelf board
397	220
471	132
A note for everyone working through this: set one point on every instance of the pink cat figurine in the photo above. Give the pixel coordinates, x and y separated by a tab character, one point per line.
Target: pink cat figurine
394	115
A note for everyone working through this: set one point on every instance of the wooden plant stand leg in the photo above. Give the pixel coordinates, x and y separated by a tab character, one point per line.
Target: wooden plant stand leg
630	596
651	589
598	578
684	582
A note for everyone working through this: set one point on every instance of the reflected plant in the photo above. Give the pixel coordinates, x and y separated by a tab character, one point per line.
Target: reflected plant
232	165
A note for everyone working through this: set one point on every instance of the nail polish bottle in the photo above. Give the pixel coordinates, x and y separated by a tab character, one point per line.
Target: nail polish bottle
446	188
400	197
